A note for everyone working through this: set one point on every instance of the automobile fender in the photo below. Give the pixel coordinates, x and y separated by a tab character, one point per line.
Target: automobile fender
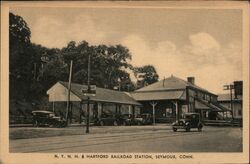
200	125
187	123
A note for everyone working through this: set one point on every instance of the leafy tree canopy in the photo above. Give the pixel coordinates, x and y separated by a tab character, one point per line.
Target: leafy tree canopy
34	68
145	75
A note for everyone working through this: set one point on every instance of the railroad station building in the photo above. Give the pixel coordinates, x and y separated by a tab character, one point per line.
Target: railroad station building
105	100
172	97
166	100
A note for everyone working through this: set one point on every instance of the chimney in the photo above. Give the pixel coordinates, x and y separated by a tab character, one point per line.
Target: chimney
190	80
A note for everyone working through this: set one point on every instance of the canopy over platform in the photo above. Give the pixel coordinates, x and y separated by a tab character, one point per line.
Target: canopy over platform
208	105
159	95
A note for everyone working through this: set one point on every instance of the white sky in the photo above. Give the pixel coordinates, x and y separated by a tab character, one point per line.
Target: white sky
206	44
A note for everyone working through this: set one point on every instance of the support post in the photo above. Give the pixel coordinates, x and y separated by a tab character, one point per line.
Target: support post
119	109
187	98
231	100
101	108
153	105
177	111
53	106
87	117
133	111
80	113
71	112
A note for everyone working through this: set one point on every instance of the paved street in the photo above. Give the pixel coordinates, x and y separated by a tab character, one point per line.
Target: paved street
158	139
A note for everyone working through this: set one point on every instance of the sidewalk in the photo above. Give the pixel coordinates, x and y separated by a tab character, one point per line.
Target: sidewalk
77	129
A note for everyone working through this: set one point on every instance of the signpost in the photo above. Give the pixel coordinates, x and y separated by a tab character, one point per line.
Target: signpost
89	92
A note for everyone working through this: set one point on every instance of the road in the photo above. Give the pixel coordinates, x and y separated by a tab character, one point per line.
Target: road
211	139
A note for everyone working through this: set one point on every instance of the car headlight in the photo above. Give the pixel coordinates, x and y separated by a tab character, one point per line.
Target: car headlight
187	123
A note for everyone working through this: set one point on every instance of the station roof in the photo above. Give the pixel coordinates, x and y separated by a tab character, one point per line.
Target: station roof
102	95
170	83
159	95
171	88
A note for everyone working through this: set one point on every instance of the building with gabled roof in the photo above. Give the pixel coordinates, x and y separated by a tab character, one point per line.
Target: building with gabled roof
105	100
166	100
174	96
58	93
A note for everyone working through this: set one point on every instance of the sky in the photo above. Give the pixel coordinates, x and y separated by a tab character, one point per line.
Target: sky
204	43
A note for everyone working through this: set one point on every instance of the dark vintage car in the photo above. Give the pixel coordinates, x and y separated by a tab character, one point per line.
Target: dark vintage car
143	119
190	120
47	118
139	119
127	119
108	119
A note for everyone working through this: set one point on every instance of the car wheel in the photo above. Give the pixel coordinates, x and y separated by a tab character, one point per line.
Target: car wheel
52	125
101	123
36	124
174	129
124	123
115	123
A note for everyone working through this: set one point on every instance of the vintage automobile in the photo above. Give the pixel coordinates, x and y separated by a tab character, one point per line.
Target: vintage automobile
47	118
190	120
108	119
127	119
143	119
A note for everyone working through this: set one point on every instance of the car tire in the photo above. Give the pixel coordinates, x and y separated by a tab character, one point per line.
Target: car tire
174	129
101	123
115	123
124	123
36	124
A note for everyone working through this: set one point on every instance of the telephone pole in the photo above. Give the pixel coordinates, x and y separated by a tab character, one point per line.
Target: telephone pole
87	123
230	87
69	88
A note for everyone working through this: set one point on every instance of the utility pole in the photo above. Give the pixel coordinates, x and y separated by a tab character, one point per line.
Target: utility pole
87	123
230	87
69	89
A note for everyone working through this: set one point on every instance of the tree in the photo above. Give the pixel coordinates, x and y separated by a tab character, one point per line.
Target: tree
19	55
107	64
27	80
145	75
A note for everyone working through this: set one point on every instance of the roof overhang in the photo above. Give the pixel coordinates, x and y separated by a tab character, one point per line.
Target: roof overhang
159	95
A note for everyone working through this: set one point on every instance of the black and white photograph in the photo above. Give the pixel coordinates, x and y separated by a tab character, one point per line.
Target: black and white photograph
129	82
